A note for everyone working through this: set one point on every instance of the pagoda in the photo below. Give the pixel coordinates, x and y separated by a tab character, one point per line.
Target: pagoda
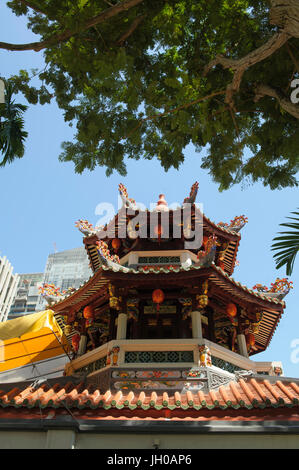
160	343
161	311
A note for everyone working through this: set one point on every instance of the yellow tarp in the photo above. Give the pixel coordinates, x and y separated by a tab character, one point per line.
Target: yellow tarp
29	324
27	339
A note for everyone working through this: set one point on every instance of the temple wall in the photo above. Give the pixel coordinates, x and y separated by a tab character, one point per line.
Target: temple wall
69	439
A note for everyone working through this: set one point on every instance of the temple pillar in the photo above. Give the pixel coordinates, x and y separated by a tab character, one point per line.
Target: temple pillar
121	332
242	344
82	345
196	325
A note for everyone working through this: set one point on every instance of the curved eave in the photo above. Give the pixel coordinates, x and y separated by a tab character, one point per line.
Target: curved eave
270	307
231	236
91	289
96	288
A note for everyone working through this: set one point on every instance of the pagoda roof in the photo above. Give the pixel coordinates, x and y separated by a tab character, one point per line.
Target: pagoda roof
95	290
229	235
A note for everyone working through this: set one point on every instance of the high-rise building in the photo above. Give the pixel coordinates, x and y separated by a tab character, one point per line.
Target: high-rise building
69	268
27	294
8	286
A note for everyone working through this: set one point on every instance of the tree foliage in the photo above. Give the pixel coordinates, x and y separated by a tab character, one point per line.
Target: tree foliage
143	79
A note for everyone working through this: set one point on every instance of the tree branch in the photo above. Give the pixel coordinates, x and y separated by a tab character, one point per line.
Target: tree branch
131	30
239	66
294	60
33	7
57	38
285	103
178	108
285	15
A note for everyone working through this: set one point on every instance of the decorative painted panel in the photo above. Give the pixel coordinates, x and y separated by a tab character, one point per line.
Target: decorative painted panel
147	374
158	374
158	385
151	309
159	260
147	385
194	373
123	374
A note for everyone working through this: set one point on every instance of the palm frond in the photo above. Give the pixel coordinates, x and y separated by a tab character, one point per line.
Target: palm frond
12	133
287	245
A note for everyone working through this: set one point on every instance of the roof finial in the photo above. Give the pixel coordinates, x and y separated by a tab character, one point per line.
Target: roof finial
162	205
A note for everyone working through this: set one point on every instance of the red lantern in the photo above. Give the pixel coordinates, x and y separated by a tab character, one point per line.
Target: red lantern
158	297
116	244
231	310
75	342
88	312
250	339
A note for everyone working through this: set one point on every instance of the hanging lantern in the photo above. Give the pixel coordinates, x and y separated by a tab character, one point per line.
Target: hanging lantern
231	310
116	243
88	312
75	342
158	297
250	339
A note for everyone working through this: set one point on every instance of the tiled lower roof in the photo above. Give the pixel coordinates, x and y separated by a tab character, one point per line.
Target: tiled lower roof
98	280
246	394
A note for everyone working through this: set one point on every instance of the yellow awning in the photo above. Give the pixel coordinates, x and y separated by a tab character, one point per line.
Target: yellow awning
29	339
29	324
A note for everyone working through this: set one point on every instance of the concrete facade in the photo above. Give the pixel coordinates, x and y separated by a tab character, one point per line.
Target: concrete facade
64	269
8	286
27	294
71	433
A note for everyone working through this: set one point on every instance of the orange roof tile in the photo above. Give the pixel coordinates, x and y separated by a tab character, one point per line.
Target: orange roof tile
251	394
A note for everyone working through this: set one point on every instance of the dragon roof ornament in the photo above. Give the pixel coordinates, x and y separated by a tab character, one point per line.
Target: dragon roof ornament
279	289
235	224
192	195
85	227
207	256
52	294
128	203
105	254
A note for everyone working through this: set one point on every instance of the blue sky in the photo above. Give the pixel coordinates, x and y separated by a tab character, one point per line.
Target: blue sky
41	198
